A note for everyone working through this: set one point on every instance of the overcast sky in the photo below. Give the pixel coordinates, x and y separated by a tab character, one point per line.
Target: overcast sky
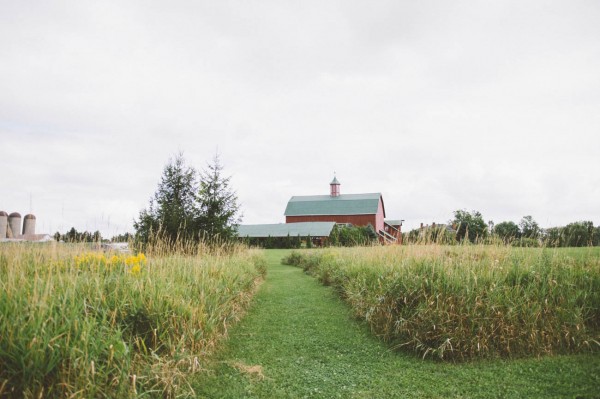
439	105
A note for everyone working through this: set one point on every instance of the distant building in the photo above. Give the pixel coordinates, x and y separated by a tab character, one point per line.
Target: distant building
394	228
355	209
438	226
10	228
316	216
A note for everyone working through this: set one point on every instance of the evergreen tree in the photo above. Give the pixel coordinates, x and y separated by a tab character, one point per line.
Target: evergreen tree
72	235
218	209
269	243
309	243
172	211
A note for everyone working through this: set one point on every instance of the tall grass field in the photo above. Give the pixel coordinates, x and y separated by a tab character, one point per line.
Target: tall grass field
82	323
464	302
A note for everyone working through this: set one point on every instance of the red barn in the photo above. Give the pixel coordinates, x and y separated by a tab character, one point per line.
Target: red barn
357	209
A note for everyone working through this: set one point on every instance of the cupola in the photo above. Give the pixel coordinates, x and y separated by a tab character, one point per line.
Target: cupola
334	187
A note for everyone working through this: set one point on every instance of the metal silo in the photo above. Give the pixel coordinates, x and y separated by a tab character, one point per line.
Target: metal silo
14	222
3	224
29	224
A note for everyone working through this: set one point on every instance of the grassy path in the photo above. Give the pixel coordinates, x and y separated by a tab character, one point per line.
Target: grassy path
300	341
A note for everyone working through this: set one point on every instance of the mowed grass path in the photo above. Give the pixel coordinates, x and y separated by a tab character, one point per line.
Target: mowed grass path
299	340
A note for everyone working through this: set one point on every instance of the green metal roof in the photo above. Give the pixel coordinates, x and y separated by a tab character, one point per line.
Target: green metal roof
303	229
334	181
345	204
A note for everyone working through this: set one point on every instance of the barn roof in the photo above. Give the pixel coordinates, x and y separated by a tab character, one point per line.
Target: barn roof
394	222
345	204
303	229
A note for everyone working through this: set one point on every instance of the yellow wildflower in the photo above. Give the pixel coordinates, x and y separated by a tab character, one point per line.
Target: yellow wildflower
136	269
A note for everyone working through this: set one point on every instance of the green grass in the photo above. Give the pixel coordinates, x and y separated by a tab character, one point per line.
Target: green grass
299	340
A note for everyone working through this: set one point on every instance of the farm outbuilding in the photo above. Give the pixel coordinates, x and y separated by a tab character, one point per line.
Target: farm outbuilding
319	232
393	227
10	229
313	229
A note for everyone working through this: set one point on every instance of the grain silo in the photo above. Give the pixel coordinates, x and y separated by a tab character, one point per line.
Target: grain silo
29	224
3	224
14	223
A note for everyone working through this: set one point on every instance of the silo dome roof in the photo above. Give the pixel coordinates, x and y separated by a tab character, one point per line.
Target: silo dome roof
2	213
30	216
14	215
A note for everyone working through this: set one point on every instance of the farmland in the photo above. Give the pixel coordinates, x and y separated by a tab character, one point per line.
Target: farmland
81	323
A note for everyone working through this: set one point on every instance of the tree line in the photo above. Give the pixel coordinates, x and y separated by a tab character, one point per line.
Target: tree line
471	226
73	235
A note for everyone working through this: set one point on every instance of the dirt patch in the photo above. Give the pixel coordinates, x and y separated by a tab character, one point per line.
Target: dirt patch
255	371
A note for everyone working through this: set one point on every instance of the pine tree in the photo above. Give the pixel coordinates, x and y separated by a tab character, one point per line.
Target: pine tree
172	210
309	243
218	209
187	206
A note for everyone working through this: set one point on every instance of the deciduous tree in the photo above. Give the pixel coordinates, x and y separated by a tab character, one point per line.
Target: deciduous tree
529	227
507	231
469	225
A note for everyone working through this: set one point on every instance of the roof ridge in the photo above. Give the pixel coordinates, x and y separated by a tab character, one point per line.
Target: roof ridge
341	195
